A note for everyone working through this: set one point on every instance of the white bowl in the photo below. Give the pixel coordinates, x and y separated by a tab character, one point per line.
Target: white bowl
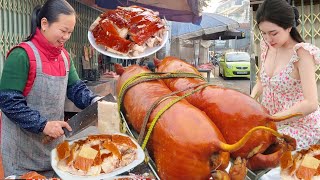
66	175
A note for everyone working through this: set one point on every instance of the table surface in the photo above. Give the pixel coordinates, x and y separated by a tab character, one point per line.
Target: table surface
144	168
208	71
204	70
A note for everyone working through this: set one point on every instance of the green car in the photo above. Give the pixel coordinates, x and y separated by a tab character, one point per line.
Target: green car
234	64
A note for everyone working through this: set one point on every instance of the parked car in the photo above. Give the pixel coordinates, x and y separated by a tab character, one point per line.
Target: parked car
234	64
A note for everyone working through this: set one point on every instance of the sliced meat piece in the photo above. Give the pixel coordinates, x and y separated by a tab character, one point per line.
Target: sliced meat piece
73	153
102	137
129	12
94	170
118	22
128	158
98	32
110	163
113	148
118	139
85	158
63	150
32	175
139	22
94	24
115	43
146	32
108	26
117	18
97	160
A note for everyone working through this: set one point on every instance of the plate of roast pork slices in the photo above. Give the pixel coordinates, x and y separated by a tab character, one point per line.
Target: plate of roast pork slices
99	156
295	165
128	32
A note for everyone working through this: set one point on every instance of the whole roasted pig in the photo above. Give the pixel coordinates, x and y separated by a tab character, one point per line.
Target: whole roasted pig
185	143
179	149
234	113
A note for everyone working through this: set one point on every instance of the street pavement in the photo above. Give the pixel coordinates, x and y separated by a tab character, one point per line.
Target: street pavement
240	84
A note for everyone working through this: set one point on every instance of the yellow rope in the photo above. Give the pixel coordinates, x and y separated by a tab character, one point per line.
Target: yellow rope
122	92
142	77
158	115
151	76
155	104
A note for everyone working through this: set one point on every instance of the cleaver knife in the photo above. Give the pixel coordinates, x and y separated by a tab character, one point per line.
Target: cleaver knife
85	118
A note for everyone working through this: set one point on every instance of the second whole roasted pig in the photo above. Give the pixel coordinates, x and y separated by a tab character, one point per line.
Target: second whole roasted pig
234	113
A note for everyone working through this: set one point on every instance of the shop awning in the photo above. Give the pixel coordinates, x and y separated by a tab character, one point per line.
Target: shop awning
172	10
210	25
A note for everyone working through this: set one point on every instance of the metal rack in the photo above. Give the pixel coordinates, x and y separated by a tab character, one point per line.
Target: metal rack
251	175
256	175
150	163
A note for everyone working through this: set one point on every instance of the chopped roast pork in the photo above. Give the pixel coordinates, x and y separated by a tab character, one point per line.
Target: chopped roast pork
128	31
96	155
304	164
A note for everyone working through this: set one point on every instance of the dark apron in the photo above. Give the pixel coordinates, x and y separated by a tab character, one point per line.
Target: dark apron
24	151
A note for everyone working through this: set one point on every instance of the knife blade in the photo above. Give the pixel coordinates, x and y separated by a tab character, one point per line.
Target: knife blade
85	118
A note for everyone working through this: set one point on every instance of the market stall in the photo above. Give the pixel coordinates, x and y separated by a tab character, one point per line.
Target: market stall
168	124
195	144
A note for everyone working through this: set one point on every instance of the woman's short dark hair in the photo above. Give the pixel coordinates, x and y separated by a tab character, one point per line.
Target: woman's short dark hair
50	10
281	13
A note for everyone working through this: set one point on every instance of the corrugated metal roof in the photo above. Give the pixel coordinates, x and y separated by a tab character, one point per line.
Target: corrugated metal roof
211	23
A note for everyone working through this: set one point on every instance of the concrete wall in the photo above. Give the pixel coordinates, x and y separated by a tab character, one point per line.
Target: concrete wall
190	50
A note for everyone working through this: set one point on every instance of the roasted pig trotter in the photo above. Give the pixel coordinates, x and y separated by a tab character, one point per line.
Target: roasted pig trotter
238	170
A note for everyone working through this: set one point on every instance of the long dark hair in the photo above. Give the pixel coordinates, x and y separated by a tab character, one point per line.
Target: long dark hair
50	10
281	13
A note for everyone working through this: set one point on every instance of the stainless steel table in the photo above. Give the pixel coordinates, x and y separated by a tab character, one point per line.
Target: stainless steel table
208	71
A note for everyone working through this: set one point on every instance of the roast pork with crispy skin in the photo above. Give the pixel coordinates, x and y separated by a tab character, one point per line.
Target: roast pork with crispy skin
128	31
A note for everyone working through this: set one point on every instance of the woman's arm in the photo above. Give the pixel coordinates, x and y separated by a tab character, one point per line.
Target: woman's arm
306	68
12	103
14	106
15	71
81	95
77	90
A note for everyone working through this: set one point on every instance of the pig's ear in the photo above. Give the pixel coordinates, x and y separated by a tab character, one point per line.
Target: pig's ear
119	69
156	61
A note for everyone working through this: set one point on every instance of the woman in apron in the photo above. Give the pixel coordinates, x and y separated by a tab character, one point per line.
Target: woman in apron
37	76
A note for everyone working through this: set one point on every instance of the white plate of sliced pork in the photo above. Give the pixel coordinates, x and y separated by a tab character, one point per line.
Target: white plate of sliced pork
303	164
128	32
96	157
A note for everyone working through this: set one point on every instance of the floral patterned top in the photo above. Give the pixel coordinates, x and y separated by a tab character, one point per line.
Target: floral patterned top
282	91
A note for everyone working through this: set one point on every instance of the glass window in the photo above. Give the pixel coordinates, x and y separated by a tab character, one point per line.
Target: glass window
239	56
